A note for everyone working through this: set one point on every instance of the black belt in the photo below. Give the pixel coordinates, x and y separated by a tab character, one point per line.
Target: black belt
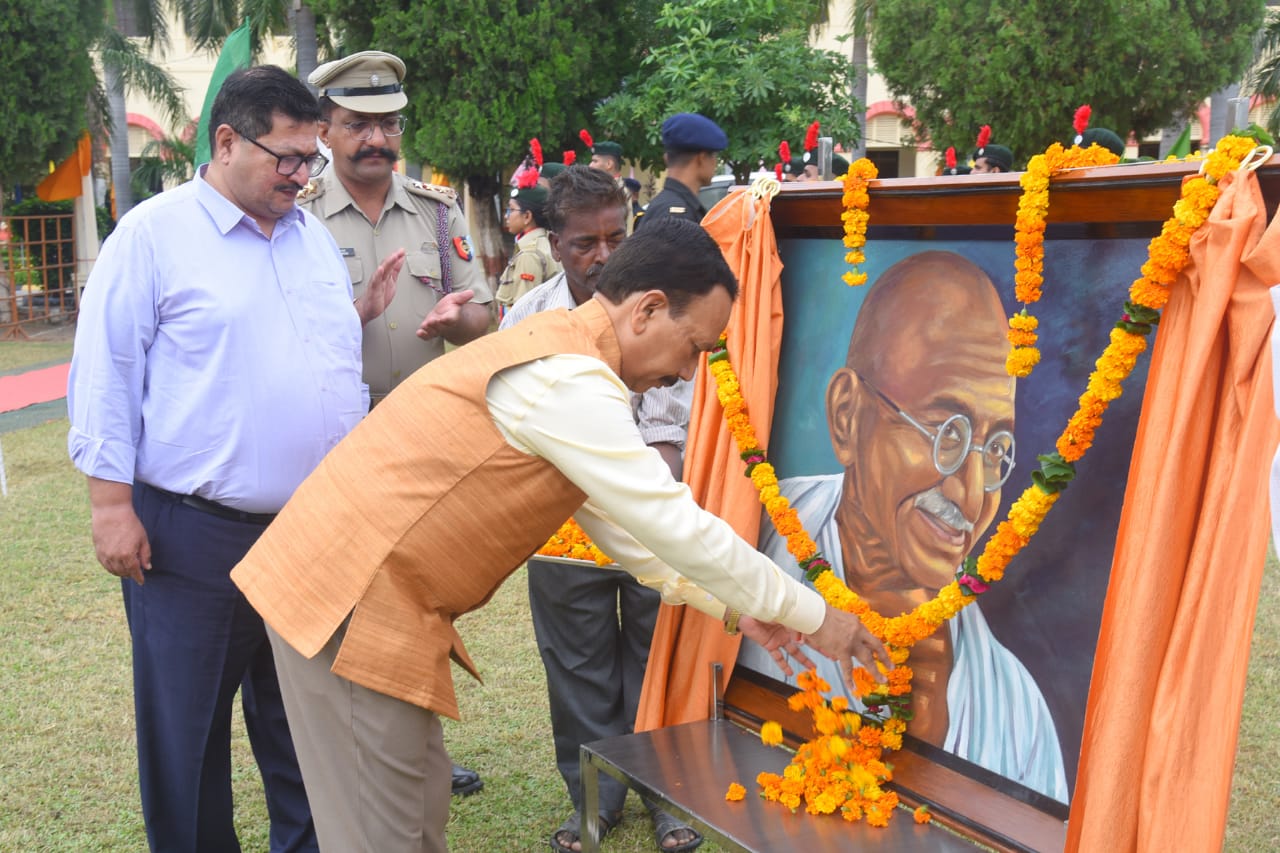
215	508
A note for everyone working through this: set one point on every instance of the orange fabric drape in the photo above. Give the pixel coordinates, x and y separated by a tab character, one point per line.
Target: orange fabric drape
677	684
1168	679
65	181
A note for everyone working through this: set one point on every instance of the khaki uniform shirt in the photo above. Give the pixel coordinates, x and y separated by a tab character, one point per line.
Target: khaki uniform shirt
530	266
409	220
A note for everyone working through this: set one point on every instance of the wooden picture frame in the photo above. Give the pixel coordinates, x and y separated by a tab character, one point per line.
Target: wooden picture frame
1104	216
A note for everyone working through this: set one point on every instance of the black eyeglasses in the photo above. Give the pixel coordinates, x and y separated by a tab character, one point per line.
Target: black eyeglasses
362	129
287	164
953	442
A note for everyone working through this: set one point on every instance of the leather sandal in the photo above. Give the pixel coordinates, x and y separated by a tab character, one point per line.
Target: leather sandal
570	832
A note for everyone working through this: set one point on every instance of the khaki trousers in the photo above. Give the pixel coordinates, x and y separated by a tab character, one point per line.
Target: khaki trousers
375	768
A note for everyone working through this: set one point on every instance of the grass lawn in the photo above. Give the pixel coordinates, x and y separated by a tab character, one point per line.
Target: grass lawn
67	770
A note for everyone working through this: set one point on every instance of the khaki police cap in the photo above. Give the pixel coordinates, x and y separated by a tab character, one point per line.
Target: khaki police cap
366	82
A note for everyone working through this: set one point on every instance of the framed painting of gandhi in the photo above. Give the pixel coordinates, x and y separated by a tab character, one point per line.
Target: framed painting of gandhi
901	440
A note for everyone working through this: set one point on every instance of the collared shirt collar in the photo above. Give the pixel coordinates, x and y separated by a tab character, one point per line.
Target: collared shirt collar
225	213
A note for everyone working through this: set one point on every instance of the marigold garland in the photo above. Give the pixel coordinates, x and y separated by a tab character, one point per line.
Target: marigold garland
842	768
856	200
1033	209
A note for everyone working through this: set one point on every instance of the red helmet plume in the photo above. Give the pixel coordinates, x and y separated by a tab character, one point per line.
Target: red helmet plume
586	138
536	148
784	151
811	137
1081	120
984	136
951	157
570	157
528	178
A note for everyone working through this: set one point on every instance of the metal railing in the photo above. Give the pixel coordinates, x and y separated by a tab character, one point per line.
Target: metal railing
37	272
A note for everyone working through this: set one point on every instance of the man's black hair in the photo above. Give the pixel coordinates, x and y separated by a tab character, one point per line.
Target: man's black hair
669	254
581	189
250	99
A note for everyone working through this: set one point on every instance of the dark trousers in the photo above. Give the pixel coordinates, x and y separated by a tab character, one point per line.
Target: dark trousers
593	628
196	640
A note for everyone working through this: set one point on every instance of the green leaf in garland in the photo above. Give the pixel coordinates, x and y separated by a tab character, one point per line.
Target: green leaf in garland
1054	474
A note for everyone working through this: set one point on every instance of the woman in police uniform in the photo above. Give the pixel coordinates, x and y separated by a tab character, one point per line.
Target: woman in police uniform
532	262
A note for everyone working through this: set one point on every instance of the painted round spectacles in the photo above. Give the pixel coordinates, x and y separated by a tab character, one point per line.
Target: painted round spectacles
953	442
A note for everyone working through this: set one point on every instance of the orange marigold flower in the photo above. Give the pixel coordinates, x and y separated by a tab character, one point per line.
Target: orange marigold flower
771	733
735	793
922	815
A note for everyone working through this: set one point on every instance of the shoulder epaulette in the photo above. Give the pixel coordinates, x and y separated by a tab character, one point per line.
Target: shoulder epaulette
313	190
433	191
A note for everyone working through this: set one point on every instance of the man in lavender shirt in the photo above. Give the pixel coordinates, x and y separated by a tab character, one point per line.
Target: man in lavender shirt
217	359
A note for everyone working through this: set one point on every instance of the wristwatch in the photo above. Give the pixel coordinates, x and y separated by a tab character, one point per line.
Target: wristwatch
731	618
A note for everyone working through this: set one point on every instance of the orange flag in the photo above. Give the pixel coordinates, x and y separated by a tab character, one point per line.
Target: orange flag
1169	674
677	685
65	181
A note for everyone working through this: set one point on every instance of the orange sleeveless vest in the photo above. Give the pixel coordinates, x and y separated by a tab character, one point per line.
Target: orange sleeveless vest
396	526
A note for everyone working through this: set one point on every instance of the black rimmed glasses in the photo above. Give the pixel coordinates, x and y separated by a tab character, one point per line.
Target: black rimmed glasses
953	442
362	129
288	164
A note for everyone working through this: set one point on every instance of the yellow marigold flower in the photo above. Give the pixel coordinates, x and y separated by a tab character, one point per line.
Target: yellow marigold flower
1021	361
824	803
735	793
771	733
1021	337
826	721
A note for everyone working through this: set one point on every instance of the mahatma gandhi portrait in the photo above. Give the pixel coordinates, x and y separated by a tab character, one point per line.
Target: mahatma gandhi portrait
921	420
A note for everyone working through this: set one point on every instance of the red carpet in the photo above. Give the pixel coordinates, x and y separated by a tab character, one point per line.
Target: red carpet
34	386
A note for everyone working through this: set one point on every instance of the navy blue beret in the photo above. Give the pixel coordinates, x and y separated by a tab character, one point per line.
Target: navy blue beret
692	132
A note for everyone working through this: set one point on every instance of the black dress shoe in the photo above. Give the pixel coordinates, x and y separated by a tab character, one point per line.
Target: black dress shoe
465	782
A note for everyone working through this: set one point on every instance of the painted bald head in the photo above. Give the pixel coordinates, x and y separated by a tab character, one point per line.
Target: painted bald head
928	344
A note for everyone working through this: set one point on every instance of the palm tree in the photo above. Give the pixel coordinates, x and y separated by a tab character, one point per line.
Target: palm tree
170	160
208	22
862	10
125	65
1264	76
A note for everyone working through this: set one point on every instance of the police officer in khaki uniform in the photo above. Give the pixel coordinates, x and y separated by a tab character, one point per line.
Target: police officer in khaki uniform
690	144
532	262
371	210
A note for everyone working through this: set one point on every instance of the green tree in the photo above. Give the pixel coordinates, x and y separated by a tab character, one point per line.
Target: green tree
209	22
1023	66
747	65
485	76
46	82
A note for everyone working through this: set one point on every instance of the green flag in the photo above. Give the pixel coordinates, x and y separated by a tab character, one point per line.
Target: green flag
1182	145
234	56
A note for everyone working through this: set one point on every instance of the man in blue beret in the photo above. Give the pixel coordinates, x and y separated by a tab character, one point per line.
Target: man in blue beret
691	144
